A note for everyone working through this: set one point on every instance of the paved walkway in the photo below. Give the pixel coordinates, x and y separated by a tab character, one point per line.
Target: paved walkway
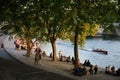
45	63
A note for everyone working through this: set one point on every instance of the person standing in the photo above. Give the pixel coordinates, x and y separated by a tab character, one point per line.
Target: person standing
38	55
60	55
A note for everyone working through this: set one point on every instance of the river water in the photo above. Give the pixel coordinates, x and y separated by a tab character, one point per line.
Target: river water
112	45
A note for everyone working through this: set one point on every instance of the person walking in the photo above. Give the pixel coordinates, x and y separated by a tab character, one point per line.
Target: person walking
2	43
38	55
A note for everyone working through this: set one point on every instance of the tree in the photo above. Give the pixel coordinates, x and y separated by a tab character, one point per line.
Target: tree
22	18
79	22
91	12
2	5
54	17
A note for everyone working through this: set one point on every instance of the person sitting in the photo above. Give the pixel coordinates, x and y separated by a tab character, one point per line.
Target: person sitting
113	70
95	69
16	42
73	60
89	64
63	58
51	55
77	71
44	54
78	63
108	70
91	70
118	72
85	63
68	59
84	70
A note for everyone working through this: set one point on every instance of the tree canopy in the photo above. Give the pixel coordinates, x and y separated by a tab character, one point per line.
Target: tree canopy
49	20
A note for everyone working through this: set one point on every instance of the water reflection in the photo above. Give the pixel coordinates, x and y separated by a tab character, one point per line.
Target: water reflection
110	37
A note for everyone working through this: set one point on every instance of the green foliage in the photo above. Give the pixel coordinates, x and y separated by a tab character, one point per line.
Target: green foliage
63	19
92	12
54	17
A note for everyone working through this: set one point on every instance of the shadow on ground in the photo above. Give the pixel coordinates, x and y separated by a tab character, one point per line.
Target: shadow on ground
16	71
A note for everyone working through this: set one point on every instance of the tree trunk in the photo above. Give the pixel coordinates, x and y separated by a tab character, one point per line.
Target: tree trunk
52	40
76	45
53	43
28	46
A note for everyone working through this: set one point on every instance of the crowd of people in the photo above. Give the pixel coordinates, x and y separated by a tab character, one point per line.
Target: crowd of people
35	48
79	69
19	43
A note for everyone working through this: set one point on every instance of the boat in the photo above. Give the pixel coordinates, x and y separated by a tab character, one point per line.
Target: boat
100	51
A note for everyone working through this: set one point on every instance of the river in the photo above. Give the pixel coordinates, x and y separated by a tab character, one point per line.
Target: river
112	45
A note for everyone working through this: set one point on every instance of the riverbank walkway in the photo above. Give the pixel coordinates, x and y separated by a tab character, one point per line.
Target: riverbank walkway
46	63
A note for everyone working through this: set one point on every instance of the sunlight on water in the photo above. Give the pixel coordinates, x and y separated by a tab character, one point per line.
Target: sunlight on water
113	48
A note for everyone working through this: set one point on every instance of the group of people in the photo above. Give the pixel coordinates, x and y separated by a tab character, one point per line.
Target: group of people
87	63
19	43
93	70
109	70
63	58
78	70
112	71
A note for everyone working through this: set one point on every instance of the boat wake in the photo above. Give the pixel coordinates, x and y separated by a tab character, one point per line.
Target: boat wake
87	50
